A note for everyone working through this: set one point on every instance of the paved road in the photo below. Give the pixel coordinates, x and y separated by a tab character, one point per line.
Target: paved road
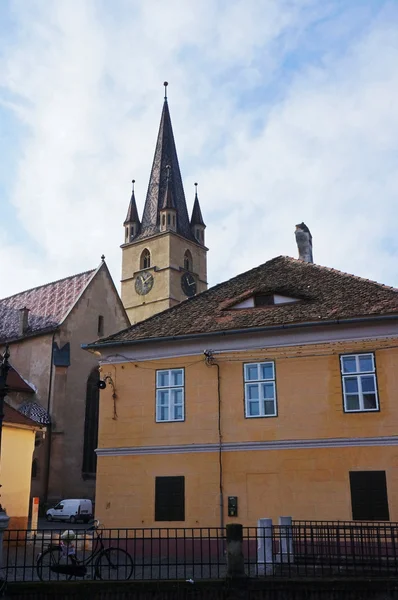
57	525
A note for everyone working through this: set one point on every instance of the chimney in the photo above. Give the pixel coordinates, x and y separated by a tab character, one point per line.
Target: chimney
23	320
304	242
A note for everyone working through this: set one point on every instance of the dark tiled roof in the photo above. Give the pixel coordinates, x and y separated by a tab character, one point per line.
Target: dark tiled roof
132	213
34	411
197	218
16	418
165	160
48	305
325	294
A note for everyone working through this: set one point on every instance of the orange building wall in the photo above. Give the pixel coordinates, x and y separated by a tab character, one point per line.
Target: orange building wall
304	483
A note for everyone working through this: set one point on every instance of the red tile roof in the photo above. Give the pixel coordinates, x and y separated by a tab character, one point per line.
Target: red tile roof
48	306
325	294
16	418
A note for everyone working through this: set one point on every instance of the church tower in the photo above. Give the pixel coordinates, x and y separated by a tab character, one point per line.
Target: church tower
164	255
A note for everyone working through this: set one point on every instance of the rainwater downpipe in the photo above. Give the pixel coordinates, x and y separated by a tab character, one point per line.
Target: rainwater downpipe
209	360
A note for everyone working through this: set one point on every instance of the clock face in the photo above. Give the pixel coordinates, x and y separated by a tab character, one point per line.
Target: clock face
188	284
143	283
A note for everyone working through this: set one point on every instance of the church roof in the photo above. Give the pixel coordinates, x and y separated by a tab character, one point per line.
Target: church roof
132	213
321	295
165	160
14	417
48	305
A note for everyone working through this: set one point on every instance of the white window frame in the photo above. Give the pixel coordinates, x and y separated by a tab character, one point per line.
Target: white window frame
358	374
258	382
171	389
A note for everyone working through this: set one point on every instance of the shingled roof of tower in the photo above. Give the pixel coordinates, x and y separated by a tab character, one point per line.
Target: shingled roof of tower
48	305
323	294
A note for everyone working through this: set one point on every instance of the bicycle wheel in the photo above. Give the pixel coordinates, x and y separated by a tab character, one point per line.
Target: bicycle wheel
47	561
114	564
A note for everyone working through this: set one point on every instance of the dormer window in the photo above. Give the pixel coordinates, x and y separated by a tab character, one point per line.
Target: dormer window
258	300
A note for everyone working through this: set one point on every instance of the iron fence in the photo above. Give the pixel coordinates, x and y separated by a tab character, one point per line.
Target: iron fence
299	550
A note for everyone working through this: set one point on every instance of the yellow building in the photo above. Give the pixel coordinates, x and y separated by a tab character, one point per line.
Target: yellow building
17	446
271	394
164	254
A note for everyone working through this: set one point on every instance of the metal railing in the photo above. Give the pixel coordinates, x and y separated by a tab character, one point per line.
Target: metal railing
301	550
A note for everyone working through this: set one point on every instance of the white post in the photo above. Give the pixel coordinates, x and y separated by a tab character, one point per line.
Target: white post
265	556
35	516
286	540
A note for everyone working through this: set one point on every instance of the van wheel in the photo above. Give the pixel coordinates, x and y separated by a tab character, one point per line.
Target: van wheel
49	518
72	519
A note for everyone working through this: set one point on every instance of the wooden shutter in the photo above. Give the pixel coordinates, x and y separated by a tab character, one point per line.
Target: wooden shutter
170	498
369	496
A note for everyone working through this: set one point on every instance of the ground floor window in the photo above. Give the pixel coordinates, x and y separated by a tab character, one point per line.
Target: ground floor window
170	498
369	499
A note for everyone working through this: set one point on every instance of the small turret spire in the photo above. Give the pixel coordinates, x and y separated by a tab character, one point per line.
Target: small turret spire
197	224
132	221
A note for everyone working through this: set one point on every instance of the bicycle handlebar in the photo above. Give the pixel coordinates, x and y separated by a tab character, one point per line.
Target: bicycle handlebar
95	526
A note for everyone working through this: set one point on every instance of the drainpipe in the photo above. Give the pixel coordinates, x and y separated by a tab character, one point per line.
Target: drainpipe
47	483
209	361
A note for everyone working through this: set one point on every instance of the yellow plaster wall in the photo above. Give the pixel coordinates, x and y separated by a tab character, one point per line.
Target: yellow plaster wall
308	484
16	466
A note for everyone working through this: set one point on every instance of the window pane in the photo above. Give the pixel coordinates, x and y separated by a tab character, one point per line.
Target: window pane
350	385
163	397
369	401
368	383
366	363
163	378
352	402
176	377
267	371
254	409
178	412
349	364
251	372
269	407
176	396
164	413
252	392
268	391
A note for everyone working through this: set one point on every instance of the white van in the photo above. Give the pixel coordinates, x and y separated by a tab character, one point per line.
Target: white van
71	510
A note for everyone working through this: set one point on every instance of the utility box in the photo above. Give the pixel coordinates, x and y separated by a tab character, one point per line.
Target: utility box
232	506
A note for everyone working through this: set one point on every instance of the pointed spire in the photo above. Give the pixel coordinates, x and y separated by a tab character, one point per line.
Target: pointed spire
165	156
132	213
197	218
168	200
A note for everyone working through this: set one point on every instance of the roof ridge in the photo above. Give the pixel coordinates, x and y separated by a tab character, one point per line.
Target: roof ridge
47	284
344	273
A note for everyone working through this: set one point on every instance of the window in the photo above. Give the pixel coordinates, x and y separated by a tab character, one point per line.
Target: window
100	328
359	382
188	261
91	425
145	261
260	394
170	499
369	499
170	395
168	219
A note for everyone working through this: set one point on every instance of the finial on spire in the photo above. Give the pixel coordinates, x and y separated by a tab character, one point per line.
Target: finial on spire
196	188
133	182
102	257
166	83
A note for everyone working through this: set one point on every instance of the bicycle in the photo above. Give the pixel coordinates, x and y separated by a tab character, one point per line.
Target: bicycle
60	560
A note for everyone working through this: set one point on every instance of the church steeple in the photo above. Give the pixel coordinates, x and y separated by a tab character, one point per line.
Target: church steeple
197	224
164	161
132	222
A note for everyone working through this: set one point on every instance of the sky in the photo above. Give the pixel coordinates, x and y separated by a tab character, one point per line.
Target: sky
283	111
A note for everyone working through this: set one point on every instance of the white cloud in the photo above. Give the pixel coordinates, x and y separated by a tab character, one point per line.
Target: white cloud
270	144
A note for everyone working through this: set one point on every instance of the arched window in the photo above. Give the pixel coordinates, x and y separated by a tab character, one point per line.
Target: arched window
91	424
188	261
34	468
163	219
145	262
